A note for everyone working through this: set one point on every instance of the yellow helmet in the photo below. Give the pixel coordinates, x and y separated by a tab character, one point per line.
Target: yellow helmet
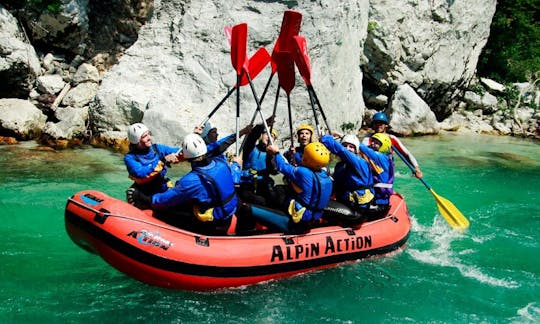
316	156
274	132
305	126
386	142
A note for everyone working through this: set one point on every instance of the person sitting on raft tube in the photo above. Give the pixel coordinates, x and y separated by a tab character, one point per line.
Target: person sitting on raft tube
379	157
308	191
204	198
147	163
304	134
380	124
353	180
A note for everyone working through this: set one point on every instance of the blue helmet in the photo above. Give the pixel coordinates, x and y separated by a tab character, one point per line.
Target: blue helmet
380	117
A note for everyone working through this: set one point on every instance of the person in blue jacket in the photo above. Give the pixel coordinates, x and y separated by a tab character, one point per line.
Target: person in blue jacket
204	198
380	124
379	156
307	193
256	185
147	163
217	147
353	180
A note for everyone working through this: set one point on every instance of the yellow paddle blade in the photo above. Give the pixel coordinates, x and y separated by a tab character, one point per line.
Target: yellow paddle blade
450	213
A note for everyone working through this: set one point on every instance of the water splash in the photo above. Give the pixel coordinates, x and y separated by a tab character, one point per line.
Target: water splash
528	314
441	252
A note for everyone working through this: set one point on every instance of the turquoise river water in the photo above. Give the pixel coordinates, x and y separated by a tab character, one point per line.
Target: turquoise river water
488	274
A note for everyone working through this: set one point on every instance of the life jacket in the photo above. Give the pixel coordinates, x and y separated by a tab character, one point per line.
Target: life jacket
383	178
307	204
256	160
356	192
254	168
219	184
156	181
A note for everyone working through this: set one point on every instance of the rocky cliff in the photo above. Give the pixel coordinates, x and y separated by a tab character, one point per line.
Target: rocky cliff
415	59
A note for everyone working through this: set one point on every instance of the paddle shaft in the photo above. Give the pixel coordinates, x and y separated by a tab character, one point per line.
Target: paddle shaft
218	105
312	102
310	88
262	97
238	78
410	166
259	110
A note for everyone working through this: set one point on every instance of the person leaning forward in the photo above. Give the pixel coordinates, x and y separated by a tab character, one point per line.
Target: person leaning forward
307	193
203	200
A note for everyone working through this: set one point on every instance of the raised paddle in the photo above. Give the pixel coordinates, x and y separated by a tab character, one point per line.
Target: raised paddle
255	65
301	59
290	27
238	60
238	36
448	211
285	70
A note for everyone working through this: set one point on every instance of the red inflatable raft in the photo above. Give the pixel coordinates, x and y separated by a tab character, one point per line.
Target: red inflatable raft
154	252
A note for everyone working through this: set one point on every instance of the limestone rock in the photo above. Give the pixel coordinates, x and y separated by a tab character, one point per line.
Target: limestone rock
409	115
432	45
50	83
19	64
20	119
180	67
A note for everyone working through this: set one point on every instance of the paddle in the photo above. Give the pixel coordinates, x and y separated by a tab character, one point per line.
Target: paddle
301	59
449	212
255	65
238	37
290	26
238	60
285	70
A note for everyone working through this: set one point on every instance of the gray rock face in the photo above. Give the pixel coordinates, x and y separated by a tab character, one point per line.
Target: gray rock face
180	67
409	114
20	119
415	59
432	45
67	28
19	64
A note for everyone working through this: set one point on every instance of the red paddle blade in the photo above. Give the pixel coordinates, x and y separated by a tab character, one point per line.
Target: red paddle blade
238	47
256	64
301	58
290	26
285	70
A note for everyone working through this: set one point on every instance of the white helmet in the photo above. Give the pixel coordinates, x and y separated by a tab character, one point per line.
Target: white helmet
135	132
207	128
193	146
351	139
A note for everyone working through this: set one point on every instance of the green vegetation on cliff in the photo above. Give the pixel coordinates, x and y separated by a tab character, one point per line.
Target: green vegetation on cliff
512	53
